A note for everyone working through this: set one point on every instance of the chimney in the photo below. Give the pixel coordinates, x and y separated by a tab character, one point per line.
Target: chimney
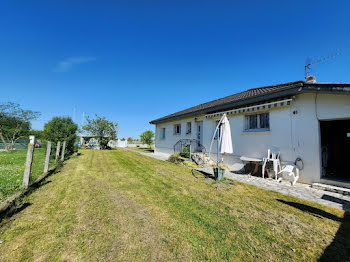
311	79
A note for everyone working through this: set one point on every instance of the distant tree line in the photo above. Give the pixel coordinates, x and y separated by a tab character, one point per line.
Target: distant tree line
15	124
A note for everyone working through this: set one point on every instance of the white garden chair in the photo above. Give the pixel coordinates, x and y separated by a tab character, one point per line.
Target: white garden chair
274	157
288	171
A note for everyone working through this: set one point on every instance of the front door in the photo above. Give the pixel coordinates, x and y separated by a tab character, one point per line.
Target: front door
200	132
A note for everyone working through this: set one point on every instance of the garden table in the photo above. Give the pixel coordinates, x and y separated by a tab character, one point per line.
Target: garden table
254	161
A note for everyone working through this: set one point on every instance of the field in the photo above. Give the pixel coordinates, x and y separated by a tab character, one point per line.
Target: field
12	168
118	205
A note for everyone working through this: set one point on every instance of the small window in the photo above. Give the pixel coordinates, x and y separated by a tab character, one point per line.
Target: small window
188	128
259	122
177	129
162	134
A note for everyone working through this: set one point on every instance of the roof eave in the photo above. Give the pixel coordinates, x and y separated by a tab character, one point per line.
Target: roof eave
296	89
259	98
328	88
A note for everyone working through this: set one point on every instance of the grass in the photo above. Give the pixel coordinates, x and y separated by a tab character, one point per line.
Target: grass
143	149
118	205
12	169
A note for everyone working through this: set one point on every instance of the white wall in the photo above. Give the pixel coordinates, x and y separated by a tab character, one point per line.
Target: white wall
166	146
306	129
255	144
296	135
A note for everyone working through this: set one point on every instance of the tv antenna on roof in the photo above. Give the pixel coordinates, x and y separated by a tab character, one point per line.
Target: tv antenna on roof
309	63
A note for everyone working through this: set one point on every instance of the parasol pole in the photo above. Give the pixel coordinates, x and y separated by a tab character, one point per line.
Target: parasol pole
217	130
217	152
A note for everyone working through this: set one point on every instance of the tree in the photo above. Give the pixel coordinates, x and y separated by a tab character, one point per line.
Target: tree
39	134
130	139
147	137
14	123
102	129
60	129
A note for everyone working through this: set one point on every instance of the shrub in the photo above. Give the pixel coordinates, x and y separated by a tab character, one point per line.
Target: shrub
185	152
59	129
175	158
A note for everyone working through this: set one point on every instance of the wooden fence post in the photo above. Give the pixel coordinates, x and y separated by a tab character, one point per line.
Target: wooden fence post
58	150
28	164
63	150
47	159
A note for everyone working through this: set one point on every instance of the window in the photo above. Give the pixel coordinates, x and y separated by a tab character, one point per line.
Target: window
162	133
177	129
188	128
259	122
265	120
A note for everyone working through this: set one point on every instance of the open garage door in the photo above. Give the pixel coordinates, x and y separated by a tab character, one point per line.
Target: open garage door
335	148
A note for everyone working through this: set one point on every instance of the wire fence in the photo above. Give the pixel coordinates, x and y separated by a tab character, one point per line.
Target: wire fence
20	144
22	167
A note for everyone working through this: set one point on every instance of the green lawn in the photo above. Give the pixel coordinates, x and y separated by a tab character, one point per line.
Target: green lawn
143	149
12	169
117	205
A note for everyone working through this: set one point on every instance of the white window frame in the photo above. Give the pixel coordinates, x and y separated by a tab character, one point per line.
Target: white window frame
175	129
188	128
258	124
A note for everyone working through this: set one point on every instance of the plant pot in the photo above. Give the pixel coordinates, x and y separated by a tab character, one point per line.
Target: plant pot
219	173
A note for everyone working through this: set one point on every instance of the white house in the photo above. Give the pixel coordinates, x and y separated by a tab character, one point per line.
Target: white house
306	120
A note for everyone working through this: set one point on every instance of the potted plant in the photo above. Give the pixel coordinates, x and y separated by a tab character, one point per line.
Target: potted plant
219	171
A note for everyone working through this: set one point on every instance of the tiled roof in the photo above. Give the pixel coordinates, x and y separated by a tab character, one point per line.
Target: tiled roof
251	93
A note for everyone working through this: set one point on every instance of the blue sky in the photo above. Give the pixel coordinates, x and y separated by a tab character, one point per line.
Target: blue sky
134	61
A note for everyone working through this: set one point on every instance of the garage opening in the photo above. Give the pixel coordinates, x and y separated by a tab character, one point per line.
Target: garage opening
335	143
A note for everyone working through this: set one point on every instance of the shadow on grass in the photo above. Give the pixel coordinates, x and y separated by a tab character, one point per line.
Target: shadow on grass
204	173
311	210
13	211
17	209
339	249
36	186
147	150
16	205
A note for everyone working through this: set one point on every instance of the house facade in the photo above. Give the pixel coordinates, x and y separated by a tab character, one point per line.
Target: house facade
307	121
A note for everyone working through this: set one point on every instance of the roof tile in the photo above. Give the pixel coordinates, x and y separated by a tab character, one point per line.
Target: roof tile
232	98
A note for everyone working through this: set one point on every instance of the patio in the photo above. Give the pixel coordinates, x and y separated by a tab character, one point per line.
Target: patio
299	190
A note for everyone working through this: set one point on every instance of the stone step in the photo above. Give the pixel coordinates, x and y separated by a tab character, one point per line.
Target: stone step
336	189
198	158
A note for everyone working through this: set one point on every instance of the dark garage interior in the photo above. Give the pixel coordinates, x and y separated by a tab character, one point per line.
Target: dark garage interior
335	146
